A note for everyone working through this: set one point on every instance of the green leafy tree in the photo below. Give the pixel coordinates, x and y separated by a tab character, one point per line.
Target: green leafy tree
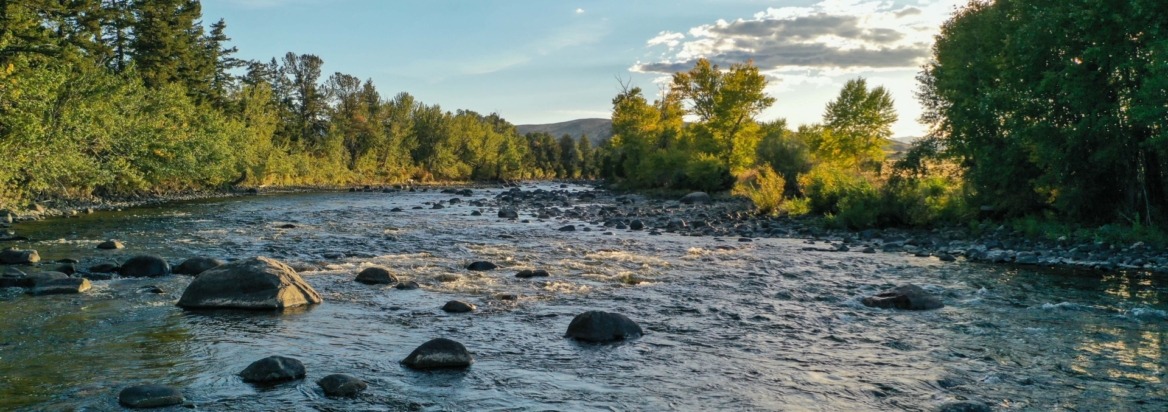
858	125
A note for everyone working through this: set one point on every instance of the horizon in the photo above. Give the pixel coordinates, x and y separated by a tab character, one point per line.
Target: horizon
541	63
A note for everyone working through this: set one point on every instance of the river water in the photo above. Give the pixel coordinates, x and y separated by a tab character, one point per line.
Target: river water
764	325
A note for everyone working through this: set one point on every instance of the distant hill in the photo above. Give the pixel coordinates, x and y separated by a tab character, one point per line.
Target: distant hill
596	129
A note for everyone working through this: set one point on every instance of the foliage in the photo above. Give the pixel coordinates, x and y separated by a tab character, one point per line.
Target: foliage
764	187
1055	105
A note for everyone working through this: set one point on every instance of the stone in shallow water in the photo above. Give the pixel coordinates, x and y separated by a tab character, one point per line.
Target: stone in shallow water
144	266
965	406
60	287
256	283
482	266
458	306
528	273
597	326
150	396
18	257
273	369
376	276
111	245
696	198
106	267
196	266
439	353
908	297
410	285
341	385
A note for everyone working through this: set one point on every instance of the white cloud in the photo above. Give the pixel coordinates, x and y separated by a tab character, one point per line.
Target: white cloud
833	36
579	11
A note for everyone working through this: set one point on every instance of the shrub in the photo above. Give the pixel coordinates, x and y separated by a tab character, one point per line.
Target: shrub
764	187
706	173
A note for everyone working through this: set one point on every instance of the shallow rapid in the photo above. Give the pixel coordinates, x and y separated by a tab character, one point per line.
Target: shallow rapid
772	324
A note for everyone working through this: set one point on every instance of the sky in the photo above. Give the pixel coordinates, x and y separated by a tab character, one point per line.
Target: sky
545	61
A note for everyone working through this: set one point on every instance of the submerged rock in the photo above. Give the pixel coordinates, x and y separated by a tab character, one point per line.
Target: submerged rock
568	228
482	266
196	266
528	273
144	266
965	406
341	385
106	267
448	277
908	297
256	283
150	396
376	276
597	326
637	225
410	285
458	306
18	257
508	214
274	369
439	353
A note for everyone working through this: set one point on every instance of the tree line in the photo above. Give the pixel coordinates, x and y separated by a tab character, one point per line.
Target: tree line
122	97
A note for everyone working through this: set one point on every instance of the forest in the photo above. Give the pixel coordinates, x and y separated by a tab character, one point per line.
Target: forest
1049	111
109	98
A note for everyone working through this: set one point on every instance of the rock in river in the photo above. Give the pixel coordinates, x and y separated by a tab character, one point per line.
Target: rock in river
458	306
439	353
111	245
410	285
482	266
696	198
341	385
106	267
597	326
144	266
67	286
909	297
256	283
528	273
965	406
508	214
273	369
18	257
637	225
376	276
150	396
196	266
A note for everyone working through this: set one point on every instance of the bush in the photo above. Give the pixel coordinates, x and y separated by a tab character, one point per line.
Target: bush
706	173
764	187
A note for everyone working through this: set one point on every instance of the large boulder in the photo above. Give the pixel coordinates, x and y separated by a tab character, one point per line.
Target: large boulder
439	353
66	286
908	297
273	369
376	276
341	385
196	266
697	198
597	326
256	283
18	257
150	396
144	266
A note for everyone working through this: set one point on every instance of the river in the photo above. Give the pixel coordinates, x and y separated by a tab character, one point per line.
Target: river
772	324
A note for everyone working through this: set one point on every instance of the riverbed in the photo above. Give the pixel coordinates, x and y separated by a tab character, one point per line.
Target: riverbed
769	324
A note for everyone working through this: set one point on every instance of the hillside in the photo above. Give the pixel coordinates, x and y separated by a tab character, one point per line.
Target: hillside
596	129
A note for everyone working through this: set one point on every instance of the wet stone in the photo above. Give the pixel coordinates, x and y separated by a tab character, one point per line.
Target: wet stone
439	353
104	268
965	406
528	273
376	276
410	285
907	297
341	385
196	266
111	245
568	228
144	266
482	266
273	369
458	306
68	286
150	396
448	277
598	326
18	257
258	283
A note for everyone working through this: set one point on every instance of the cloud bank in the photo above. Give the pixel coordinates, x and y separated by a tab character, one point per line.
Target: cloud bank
834	36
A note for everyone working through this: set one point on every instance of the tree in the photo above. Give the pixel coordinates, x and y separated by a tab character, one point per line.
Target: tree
570	157
726	104
309	101
166	46
858	125
587	157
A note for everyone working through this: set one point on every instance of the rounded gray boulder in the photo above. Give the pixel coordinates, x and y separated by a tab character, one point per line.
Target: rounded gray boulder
439	353
907	297
257	283
196	266
376	276
274	369
144	266
341	385
597	326
150	396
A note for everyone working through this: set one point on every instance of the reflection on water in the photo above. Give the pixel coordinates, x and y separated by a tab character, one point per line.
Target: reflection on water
762	325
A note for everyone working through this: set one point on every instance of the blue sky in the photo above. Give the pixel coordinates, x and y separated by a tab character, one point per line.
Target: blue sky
549	61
